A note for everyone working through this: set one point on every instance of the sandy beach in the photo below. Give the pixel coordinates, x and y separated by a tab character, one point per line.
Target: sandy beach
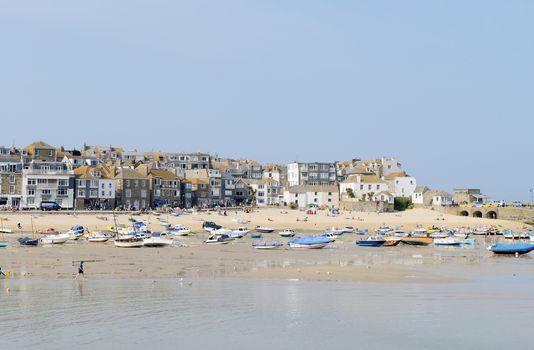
189	257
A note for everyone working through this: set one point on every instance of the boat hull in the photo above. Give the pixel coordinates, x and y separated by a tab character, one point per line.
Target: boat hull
308	246
417	241
370	243
128	244
512	248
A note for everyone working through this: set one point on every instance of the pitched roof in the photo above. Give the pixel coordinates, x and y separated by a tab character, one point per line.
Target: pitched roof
393	176
363	179
127	173
40	144
421	189
259	181
164	174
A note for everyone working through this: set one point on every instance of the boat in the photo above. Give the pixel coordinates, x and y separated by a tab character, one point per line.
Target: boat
417	240
262	229
267	244
371	241
348	229
469	241
6	230
99	237
330	236
239	233
531	237
179	230
335	231
440	234
448	241
210	226
256	235
215	238
129	241
361	231
287	233
75	232
392	241
28	241
309	242
4	244
59	238
514	248
157	240
164	224
509	234
383	230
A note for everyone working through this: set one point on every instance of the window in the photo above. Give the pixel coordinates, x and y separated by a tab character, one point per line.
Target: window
81	193
369	187
261	194
127	183
110	194
31	192
361	187
36	152
31	200
128	193
102	186
42	181
329	193
46	191
81	183
377	187
11	179
110	185
62	192
63	182
93	193
330	199
136	183
11	189
50	153
143	193
103	193
94	183
31	182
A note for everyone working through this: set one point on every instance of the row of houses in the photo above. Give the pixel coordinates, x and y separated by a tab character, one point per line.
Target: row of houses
106	177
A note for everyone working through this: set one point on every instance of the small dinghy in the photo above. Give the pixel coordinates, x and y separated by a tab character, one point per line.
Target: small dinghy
239	233
157	240
448	241
267	244
417	240
218	239
518	248
129	242
28	241
55	239
372	241
256	235
262	229
99	237
179	230
309	242
4	244
287	233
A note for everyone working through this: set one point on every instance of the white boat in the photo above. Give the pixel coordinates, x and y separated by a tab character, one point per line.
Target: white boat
59	238
99	237
440	234
335	231
239	233
263	229
222	231
130	242
179	230
157	240
218	239
330	235
448	241
287	233
5	230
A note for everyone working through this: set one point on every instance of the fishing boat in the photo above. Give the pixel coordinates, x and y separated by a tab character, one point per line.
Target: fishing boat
440	234
309	242
392	241
239	233
210	226
361	231
28	241
157	240
59	238
417	240
256	235
515	248
330	236
383	230
509	234
215	238
448	241
179	230
75	232
372	241
287	233
335	231
267	244
129	241
262	229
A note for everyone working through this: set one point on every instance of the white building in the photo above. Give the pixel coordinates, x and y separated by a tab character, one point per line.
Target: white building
311	174
418	196
364	187
266	191
401	184
319	195
441	198
47	181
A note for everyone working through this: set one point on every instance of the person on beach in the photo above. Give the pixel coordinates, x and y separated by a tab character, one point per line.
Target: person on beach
80	270
19	226
2	272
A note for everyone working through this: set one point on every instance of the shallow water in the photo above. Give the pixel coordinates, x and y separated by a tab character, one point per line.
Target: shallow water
233	313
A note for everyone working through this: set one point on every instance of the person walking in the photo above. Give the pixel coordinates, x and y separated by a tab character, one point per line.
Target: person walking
80	270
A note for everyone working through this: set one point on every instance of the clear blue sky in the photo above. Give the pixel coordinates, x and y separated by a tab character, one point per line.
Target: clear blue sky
445	86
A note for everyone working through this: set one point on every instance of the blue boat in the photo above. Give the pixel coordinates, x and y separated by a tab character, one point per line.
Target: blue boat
256	235
372	241
518	248
27	241
309	242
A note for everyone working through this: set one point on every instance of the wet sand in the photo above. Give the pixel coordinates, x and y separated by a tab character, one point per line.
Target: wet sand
190	258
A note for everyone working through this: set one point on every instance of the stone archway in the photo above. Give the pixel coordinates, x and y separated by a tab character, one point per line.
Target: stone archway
464	213
477	214
491	214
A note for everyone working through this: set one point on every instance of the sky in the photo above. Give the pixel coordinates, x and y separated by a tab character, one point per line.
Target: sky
447	87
